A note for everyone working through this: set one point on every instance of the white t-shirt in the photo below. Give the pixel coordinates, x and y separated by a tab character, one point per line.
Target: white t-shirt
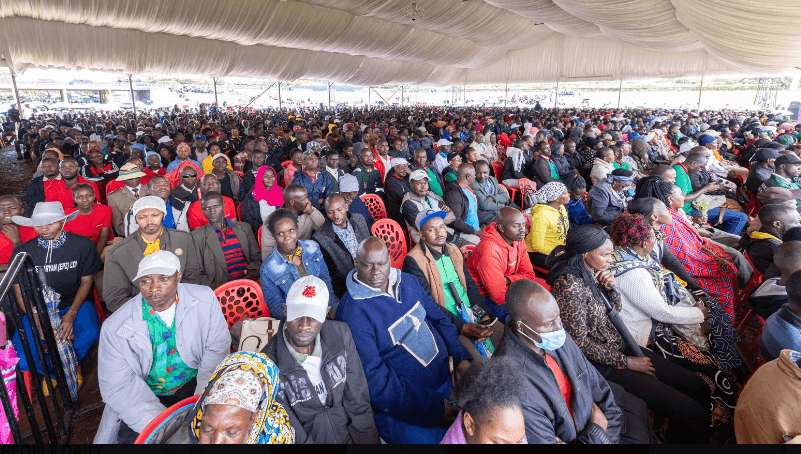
312	367
168	315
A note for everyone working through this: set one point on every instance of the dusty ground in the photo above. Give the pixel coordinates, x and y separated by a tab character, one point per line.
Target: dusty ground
14	178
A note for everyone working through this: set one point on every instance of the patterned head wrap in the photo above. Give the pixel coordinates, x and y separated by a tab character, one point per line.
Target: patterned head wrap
248	380
550	192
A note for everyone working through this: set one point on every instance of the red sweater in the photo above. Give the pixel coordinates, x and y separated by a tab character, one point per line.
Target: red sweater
493	260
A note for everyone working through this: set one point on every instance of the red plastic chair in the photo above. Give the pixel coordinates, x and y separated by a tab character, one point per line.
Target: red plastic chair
526	186
239	212
285	163
258	235
467	250
375	205
163	418
752	209
497	169
392	235
239	174
241	299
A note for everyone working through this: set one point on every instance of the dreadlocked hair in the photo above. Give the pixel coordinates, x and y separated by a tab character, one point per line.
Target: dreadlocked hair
656	187
574	181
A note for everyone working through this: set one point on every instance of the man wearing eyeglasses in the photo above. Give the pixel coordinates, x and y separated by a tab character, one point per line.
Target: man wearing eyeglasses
188	184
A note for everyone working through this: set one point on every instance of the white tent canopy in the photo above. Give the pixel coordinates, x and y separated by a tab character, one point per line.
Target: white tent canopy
371	42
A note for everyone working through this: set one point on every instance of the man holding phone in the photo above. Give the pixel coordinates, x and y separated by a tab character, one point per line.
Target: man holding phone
441	270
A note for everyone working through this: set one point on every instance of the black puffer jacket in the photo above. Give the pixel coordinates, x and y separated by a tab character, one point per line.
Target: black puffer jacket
544	409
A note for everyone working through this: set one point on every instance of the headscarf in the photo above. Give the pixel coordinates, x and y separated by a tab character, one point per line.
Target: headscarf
148	155
248	380
516	155
174	177
569	259
550	192
273	196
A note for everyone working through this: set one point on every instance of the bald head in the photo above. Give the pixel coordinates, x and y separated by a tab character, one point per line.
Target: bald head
526	296
511	224
533	312
775	193
372	263
370	245
788	259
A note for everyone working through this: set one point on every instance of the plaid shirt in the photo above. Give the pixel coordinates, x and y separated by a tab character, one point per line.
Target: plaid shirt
685	243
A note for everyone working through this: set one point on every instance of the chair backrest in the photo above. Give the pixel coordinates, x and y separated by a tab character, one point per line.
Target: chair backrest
375	205
497	168
163	418
752	209
239	212
526	186
392	235
285	163
258	235
239	174
467	250
241	299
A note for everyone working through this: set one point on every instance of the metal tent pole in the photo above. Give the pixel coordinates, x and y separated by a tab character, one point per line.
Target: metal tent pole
401	96
16	92
700	90
216	102
280	105
619	91
329	95
133	98
556	97
506	98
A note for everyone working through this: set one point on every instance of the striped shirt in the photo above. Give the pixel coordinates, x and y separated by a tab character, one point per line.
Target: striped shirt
232	250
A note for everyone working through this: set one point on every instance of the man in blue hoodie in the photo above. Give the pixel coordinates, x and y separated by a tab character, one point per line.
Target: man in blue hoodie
404	342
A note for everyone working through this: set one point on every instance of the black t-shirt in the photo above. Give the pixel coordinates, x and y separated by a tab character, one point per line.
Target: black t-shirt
76	258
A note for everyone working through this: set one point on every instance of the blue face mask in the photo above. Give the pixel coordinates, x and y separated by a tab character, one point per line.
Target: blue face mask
631	192
550	341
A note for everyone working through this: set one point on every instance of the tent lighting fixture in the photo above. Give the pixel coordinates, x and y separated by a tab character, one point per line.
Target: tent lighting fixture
413	12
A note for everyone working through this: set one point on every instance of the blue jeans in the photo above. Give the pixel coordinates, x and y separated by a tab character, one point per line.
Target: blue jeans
733	221
498	311
86	330
395	431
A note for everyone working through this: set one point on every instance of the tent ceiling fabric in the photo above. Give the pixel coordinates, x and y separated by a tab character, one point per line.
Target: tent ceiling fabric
371	42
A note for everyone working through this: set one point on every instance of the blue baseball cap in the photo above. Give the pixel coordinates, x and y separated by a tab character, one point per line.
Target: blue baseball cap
427	215
705	140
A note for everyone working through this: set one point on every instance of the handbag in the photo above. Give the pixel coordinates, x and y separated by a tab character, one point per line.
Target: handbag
256	333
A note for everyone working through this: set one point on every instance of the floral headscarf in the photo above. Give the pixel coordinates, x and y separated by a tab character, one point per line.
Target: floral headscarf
248	380
174	177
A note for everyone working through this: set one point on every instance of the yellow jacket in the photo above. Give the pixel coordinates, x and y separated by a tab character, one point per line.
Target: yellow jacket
548	228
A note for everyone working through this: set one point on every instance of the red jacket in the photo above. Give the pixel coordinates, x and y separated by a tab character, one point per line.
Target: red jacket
493	260
56	191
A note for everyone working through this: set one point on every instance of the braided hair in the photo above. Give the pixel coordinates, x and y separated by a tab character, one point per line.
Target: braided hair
574	181
656	187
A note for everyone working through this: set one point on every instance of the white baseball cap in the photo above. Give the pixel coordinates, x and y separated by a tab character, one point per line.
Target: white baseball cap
442	142
159	262
418	174
308	297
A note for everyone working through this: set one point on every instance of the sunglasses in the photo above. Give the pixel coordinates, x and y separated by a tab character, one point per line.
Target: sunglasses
189	175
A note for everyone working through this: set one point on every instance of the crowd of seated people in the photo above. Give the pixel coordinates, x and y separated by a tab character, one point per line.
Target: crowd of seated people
563	268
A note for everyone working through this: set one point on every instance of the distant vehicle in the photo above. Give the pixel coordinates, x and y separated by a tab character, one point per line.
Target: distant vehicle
567	93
